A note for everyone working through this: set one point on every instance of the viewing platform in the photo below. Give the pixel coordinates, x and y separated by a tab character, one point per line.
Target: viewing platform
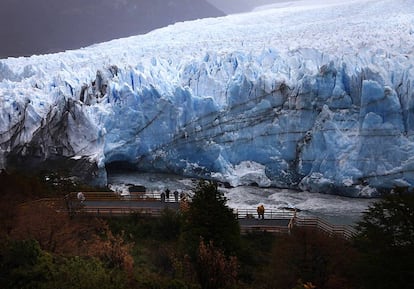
108	204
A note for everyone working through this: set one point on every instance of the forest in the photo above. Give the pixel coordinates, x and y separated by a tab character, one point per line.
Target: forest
42	246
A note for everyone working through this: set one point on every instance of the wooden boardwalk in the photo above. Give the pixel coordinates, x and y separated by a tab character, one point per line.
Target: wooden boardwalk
108	204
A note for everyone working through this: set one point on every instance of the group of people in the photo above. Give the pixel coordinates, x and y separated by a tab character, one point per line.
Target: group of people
166	195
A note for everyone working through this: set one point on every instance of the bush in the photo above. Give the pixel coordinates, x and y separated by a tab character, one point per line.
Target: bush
25	265
214	269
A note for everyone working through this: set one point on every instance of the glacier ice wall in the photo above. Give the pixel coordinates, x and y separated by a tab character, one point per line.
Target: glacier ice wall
322	105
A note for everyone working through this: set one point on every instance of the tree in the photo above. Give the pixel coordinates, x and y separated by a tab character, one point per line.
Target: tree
211	237
386	240
208	218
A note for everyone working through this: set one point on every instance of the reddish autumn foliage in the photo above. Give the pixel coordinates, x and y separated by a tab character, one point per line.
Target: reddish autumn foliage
48	223
214	269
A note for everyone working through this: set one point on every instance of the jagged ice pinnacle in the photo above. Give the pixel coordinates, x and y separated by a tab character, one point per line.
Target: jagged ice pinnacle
316	95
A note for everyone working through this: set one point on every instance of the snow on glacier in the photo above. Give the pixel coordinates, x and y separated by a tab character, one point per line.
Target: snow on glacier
316	95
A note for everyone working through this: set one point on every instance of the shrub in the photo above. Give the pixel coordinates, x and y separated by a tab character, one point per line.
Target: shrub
24	265
214	269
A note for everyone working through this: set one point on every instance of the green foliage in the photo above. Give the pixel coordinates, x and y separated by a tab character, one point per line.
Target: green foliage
210	219
84	273
386	240
135	226
389	223
149	280
24	265
165	228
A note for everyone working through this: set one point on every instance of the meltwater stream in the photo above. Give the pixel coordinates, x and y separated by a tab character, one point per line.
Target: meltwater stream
335	209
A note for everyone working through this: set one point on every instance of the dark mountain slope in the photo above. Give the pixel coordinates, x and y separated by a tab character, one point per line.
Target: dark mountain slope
238	6
42	26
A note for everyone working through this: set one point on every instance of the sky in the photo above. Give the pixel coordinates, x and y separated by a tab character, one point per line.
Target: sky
29	27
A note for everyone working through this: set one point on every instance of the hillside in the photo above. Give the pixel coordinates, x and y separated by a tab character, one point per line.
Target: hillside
36	27
239	6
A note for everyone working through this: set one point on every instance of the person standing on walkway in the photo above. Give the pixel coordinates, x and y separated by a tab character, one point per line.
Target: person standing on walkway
163	197
167	193
81	197
176	196
260	211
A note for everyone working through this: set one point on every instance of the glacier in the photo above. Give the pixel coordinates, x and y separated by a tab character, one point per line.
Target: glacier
310	95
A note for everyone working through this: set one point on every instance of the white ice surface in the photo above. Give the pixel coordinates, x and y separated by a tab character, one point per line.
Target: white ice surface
317	94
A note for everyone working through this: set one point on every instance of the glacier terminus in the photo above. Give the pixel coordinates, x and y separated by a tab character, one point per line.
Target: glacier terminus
310	95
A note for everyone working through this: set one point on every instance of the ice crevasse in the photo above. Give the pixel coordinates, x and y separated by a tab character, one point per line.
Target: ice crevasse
315	95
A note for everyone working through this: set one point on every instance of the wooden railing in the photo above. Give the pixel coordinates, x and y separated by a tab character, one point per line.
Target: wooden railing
269	214
340	230
121	211
311	222
111	196
264	228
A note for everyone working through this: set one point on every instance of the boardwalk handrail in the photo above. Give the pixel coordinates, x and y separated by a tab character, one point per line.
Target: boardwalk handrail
112	196
269	214
271	229
122	211
342	230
